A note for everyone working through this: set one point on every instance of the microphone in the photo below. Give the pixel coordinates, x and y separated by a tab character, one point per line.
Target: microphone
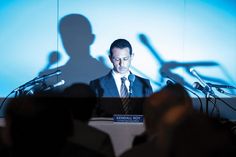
205	90
37	79
62	82
169	83
220	86
208	88
131	79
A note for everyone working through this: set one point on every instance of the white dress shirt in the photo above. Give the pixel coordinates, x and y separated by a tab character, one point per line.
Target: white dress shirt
117	77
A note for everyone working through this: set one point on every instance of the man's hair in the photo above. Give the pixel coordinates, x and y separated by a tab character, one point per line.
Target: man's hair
120	43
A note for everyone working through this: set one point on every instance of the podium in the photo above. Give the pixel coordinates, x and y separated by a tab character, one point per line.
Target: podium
121	133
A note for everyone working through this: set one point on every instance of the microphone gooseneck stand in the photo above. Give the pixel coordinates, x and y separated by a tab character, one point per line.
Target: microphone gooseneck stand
21	89
207	90
208	99
218	88
199	99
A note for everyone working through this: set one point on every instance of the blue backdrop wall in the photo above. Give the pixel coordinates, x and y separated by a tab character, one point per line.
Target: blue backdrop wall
168	38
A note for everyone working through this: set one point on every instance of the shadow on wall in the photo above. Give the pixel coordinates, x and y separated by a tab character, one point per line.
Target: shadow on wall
53	58
77	37
167	67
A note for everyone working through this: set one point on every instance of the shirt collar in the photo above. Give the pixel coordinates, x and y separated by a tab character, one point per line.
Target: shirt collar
118	75
117	78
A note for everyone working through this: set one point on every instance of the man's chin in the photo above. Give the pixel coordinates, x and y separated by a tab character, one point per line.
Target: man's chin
123	71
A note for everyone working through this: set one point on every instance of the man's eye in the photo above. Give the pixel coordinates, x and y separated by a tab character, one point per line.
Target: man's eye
126	58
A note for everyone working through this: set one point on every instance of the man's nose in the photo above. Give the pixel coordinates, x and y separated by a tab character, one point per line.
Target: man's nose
121	62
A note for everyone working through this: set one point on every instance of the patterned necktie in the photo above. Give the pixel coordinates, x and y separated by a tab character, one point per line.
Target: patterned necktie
124	96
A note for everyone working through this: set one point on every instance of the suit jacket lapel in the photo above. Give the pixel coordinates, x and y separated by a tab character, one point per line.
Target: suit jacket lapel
135	88
111	86
138	87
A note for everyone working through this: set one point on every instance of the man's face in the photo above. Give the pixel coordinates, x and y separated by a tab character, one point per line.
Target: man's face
121	60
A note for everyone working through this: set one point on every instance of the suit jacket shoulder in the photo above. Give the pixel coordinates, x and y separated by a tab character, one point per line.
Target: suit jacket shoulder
105	86
141	87
109	99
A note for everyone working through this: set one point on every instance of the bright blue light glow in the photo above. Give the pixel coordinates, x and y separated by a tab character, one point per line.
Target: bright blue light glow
180	33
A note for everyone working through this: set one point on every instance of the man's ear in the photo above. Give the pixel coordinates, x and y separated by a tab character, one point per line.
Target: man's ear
132	56
110	57
92	38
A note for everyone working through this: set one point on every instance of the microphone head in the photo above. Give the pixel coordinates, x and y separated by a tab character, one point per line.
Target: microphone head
131	77
61	83
58	72
191	70
197	85
169	82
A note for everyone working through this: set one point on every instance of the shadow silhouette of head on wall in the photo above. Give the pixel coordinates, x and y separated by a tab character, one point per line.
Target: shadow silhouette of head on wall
77	37
53	58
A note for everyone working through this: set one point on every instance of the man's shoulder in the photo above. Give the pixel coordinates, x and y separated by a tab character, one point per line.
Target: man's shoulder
141	78
144	83
101	78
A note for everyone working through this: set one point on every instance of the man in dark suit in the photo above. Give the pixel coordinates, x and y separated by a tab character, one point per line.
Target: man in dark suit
118	87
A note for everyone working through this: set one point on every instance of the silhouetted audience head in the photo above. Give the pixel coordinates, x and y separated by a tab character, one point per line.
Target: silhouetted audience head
171	97
37	125
198	135
179	131
82	101
171	102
